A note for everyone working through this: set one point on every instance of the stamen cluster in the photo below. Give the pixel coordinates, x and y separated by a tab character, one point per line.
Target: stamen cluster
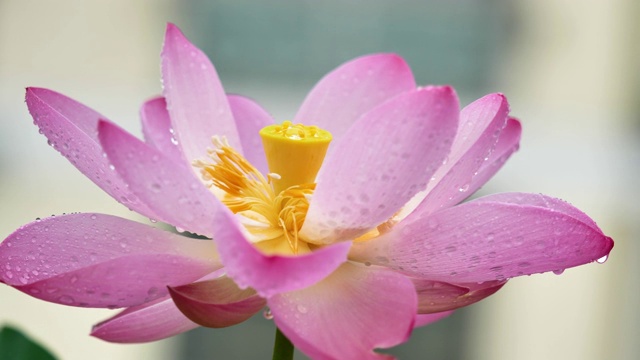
273	219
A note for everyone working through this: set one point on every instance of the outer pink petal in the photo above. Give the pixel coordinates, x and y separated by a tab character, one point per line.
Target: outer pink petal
353	89
542	201
508	143
144	323
347	315
428	319
250	119
481	123
72	130
382	162
270	275
435	297
95	260
196	99
156	128
173	191
492	238
216	303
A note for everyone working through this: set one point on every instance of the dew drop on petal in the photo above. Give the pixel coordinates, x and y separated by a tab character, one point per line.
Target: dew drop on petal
558	272
302	309
155	187
267	314
603	259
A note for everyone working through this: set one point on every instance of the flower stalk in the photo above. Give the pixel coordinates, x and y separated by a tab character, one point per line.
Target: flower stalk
282	347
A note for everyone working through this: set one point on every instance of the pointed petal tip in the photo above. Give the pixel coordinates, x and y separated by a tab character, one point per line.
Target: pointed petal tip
438	90
173	34
172	29
515	122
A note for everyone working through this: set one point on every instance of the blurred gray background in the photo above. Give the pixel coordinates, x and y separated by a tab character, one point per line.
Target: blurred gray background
570	69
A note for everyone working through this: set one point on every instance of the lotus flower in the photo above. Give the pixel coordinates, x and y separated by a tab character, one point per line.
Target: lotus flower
349	254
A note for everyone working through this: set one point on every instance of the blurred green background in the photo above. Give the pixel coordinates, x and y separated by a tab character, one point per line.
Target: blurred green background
570	70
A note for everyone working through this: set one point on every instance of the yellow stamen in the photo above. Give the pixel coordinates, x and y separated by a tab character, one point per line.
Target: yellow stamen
272	208
295	152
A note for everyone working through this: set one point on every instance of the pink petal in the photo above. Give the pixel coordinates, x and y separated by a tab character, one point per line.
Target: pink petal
153	321
196	100
216	303
428	319
508	143
170	188
353	89
382	162
542	201
349	314
250	119
493	238
270	274
156	128
95	260
481	123
435	297
72	130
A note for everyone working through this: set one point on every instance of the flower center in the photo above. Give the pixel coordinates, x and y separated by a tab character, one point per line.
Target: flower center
272	208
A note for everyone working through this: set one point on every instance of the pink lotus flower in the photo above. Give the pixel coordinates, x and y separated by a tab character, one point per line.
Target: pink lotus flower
351	263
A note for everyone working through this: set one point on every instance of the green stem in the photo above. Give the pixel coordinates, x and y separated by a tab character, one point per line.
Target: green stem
282	348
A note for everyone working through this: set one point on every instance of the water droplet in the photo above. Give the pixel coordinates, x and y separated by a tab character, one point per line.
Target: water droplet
302	309
267	314
558	272
464	188
156	187
73	279
179	229
9	274
93	217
